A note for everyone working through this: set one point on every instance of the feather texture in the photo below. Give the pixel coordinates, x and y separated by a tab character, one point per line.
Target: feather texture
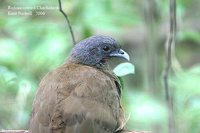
76	98
83	95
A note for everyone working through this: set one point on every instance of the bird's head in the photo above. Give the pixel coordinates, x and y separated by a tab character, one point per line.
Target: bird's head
96	50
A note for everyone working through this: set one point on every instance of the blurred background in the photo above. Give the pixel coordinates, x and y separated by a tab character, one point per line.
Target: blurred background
33	44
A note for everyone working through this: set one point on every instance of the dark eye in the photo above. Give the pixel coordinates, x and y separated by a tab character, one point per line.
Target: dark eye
106	48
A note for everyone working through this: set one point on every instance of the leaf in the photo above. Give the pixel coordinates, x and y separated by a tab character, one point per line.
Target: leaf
124	69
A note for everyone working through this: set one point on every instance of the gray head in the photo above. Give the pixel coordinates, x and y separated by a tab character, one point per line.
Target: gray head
95	50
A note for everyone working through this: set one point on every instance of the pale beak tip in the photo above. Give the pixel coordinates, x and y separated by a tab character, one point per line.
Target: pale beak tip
124	55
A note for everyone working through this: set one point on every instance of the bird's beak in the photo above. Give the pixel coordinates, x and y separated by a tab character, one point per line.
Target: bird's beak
120	53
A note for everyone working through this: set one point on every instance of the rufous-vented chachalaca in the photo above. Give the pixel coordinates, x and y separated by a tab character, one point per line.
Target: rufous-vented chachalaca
82	95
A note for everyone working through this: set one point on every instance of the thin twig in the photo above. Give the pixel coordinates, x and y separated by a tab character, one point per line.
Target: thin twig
170	41
68	22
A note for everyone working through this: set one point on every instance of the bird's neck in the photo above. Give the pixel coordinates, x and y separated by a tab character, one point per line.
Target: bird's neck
102	65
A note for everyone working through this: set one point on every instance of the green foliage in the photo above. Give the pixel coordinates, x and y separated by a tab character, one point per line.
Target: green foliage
108	16
144	110
190	35
187	89
124	69
30	46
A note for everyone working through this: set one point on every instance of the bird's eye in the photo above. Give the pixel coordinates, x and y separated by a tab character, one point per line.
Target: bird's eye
106	48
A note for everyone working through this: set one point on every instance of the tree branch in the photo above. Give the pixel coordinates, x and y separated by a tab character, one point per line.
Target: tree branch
26	131
68	22
170	41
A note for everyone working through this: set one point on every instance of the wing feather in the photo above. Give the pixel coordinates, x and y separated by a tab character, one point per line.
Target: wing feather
76	98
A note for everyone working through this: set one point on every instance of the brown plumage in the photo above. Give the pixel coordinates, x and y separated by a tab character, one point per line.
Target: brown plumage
78	98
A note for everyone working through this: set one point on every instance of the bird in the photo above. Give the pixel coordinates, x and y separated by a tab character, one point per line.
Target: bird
83	94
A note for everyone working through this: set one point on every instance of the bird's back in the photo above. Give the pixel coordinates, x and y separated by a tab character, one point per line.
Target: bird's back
76	98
